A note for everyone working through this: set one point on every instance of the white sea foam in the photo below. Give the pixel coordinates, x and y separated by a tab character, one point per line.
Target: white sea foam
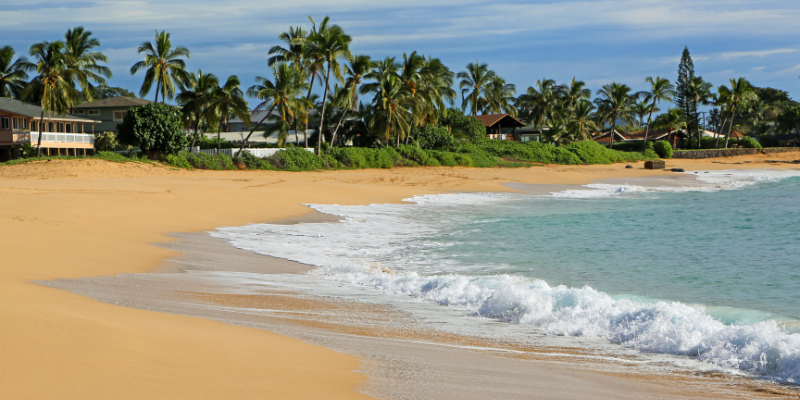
379	247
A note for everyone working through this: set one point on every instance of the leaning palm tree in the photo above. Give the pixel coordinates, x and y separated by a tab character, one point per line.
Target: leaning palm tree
328	44
283	92
228	100
660	90
80	50
473	85
355	71
13	73
700	91
672	120
196	98
740	91
52	84
616	102
164	65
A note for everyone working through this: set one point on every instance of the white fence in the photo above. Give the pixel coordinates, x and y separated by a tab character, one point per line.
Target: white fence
260	153
63	138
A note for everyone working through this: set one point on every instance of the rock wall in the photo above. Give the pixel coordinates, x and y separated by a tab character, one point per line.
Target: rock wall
728	152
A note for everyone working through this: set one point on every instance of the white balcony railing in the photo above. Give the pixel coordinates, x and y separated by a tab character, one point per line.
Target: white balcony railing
62	138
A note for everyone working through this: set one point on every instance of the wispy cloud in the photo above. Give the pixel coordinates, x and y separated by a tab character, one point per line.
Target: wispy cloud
760	53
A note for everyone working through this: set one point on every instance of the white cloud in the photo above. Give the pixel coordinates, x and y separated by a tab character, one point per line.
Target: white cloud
760	53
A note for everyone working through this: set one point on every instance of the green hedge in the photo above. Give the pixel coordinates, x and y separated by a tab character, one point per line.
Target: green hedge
297	160
663	149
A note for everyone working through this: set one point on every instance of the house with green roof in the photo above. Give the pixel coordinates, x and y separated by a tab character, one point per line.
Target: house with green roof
64	134
109	112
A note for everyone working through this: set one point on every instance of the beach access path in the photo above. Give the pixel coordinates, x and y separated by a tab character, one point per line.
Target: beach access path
84	218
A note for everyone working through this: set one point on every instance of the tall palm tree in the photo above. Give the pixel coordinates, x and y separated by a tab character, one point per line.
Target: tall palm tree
582	121
359	66
52	84
227	100
642	108
164	65
294	51
437	88
543	100
740	91
660	90
701	95
723	101
80	50
616	102
13	73
196	98
473	84
557	135
759	110
284	93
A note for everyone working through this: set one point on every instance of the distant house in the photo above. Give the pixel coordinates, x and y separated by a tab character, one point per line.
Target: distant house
495	123
66	134
658	134
110	111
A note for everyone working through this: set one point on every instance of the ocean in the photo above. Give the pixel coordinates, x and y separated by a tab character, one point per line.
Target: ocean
706	272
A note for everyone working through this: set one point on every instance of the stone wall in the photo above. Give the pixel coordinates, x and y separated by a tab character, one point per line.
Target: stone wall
728	152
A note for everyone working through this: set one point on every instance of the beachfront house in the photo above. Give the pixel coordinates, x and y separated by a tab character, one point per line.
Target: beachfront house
22	123
109	112
674	137
500	126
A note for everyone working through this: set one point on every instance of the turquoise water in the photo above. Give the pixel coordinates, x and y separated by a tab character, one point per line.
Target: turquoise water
710	272
729	248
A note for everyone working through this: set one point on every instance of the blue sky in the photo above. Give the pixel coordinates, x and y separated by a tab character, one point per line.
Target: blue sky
523	41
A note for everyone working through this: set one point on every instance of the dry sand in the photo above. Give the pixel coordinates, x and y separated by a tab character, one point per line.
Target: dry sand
87	218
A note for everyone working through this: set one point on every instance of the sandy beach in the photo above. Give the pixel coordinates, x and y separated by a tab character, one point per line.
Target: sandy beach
67	220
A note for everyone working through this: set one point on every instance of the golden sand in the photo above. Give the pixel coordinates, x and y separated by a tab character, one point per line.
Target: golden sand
78	218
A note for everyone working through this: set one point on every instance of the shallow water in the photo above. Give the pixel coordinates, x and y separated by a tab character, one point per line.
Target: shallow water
707	272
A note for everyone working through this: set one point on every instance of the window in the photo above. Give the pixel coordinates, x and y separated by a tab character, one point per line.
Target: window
120	115
81	111
4	124
94	112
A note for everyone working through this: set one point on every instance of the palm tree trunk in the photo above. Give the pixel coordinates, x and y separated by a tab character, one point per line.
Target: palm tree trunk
338	124
719	129
196	129
39	139
730	125
219	142
296	136
158	86
244	142
308	98
322	115
649	116
611	134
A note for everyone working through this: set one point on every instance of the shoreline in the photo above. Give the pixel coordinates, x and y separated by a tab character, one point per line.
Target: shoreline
95	218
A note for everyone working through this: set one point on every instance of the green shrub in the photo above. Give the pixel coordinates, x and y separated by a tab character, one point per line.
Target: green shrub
351	157
253	162
463	160
296	160
226	162
176	160
434	137
331	162
459	123
591	152
105	141
706	142
633	146
155	128
480	157
663	149
750	143
419	156
530	151
445	158
210	143
113	157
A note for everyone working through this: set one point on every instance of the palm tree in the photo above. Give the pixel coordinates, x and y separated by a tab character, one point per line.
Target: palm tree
500	97
723	101
701	94
80	50
13	73
740	91
164	66
557	135
329	44
759	110
226	100
473	84
52	84
196	98
672	120
582	119
615	101
284	94
359	66
660	90
543	100
642	108
294	51
392	109
437	88
574	93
